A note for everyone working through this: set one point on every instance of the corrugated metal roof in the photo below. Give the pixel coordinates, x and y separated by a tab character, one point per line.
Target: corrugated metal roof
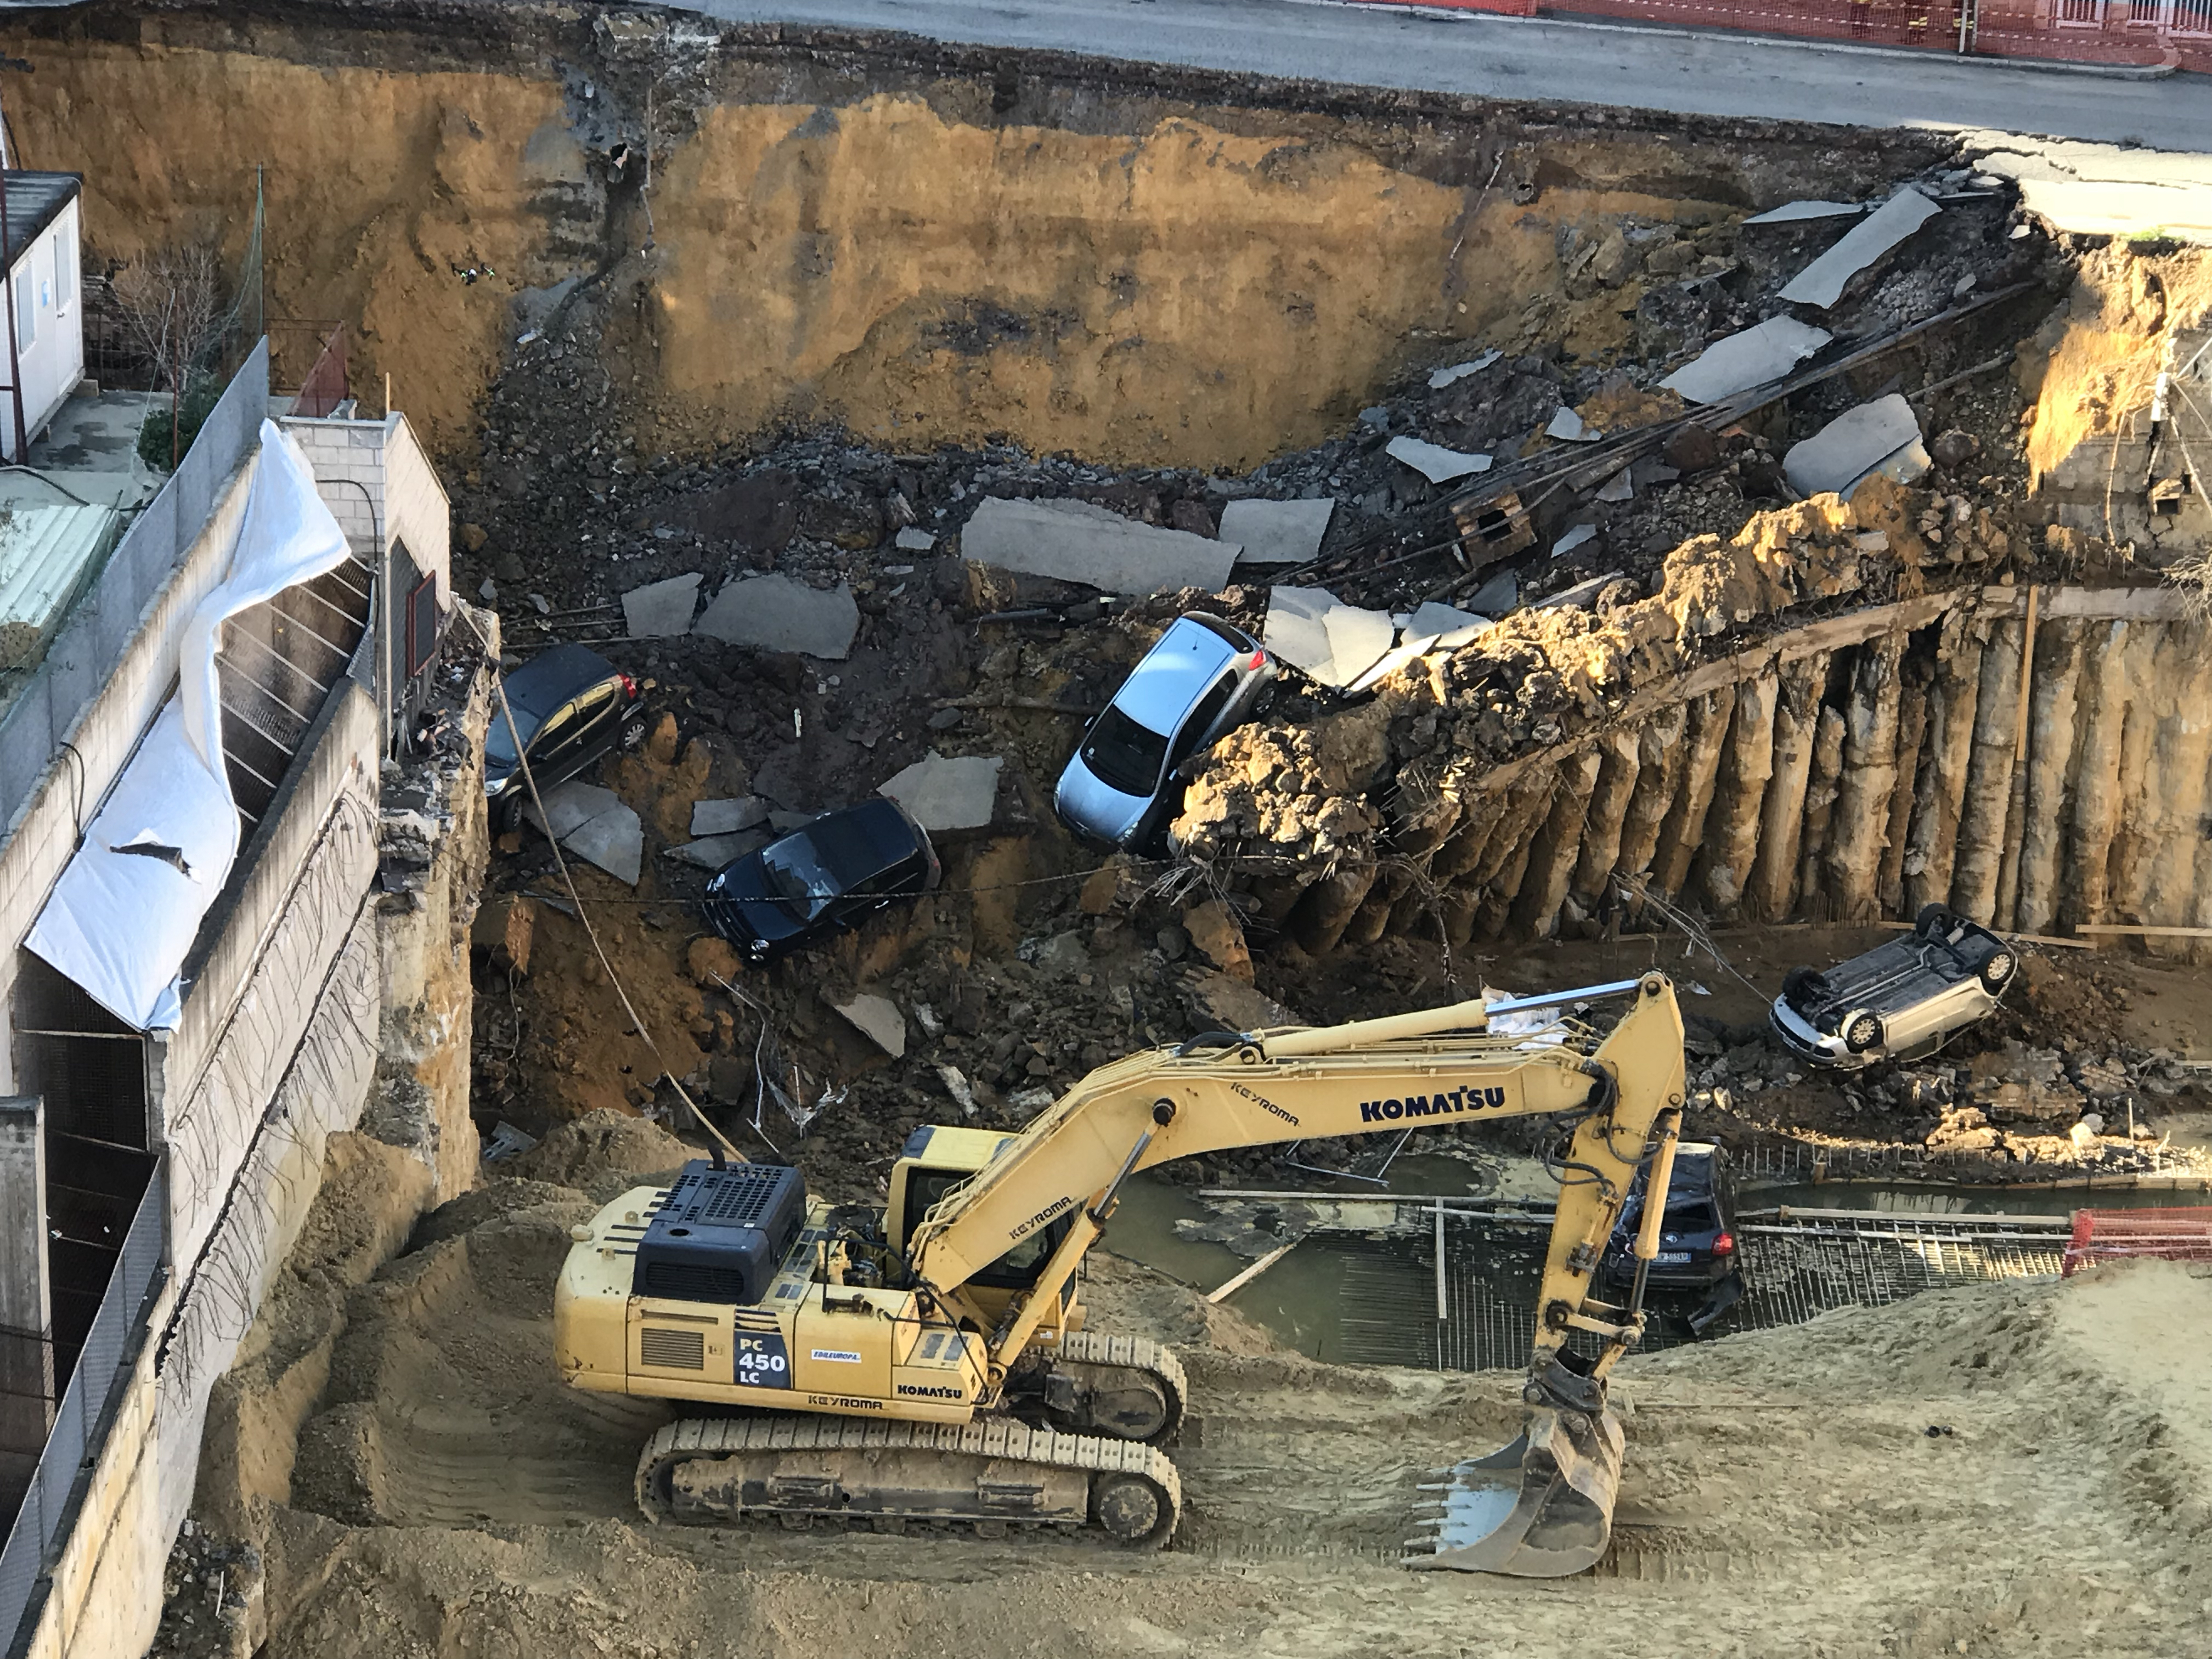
45	551
35	200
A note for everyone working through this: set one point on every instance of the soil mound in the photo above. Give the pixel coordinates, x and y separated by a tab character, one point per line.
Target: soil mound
604	1151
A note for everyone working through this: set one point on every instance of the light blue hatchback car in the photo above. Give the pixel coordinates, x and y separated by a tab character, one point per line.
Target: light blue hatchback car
1124	785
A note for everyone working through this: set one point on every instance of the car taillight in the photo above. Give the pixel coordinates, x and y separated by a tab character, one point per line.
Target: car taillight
1258	657
1724	1245
630	685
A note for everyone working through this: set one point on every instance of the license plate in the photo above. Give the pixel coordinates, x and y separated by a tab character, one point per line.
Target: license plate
1671	1258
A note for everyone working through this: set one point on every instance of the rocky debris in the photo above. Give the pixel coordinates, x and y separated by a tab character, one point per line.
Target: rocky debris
1221	1002
1218	938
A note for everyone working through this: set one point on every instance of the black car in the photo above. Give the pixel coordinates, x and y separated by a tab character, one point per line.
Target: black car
1697	1234
571	707
823	876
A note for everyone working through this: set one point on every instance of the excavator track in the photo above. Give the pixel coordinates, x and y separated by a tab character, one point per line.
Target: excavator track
988	1476
1127	1387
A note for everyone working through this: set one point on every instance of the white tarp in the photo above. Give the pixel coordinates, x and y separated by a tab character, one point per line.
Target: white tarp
130	903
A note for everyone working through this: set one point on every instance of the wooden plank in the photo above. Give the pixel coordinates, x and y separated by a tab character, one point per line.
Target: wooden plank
2133	931
1252	1271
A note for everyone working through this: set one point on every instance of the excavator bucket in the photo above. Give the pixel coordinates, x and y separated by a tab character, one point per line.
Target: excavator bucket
1539	1508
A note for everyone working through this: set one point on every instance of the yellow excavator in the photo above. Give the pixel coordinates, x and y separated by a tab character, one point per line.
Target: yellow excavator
928	1362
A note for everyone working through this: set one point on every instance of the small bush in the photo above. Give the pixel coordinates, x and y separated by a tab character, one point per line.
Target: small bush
197	404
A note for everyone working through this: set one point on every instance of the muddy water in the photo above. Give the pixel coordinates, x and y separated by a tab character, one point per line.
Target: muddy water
1970	1200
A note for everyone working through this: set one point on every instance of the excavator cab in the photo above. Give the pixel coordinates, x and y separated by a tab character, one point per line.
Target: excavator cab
935	1159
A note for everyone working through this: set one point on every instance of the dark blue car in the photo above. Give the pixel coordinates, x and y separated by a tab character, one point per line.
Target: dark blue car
823	877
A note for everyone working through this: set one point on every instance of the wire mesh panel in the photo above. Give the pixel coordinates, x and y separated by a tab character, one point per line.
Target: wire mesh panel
1792	1271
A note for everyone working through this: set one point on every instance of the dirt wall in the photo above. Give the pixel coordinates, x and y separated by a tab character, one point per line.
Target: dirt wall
927	244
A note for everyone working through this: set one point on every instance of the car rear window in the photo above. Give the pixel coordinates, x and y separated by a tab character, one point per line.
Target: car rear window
1124	755
795	872
1695	1215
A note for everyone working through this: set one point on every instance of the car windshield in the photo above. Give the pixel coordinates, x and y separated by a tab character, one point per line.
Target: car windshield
795	872
499	742
1124	755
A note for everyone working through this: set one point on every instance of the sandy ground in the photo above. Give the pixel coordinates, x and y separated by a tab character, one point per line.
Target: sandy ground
1784	1492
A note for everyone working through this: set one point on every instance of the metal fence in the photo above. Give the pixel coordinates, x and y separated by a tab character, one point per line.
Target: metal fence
1478	1313
87	1409
89	645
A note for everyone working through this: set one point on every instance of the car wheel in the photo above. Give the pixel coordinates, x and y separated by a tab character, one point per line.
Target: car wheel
1800	985
633	734
1997	971
1861	1032
1264	704
1933	920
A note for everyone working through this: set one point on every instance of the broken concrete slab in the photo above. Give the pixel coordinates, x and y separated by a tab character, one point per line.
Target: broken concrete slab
1500	594
1821	284
774	613
1441	378
1747	358
1581	596
659	609
723	818
1276	533
1621	486
614	841
1076	541
1790	213
1570	428
1576	536
877	1019
1329	640
1434	462
569	806
1447	627
712	852
1882	436
944	794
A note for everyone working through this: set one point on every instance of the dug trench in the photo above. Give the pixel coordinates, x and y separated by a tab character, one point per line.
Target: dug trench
871	284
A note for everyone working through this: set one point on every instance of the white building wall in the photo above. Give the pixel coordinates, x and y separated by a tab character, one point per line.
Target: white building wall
47	277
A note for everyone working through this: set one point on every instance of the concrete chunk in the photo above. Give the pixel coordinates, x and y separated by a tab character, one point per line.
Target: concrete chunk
1821	284
774	613
911	540
1750	358
1570	428
1076	541
1332	642
946	794
1441	378
723	818
1881	436
1446	627
1791	212
661	609
569	806
712	852
877	1019
1276	533
615	841
1434	462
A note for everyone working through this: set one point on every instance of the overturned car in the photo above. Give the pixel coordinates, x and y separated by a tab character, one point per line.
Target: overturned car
1900	1000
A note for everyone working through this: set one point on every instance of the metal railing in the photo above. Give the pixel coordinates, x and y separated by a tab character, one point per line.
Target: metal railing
93	640
81	1425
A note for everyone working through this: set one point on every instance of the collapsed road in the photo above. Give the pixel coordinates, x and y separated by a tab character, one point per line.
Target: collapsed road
1761	535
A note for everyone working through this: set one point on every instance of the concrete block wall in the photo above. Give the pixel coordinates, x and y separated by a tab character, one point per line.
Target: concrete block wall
37	845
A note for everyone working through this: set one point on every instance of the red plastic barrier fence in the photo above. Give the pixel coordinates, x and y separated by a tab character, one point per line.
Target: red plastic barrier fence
2128	34
2180	1235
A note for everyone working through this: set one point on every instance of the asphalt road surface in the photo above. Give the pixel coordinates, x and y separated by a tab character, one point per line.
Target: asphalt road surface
1550	60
